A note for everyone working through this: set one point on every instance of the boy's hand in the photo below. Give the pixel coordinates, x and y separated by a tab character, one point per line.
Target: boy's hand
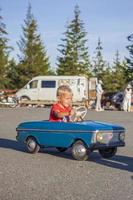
72	112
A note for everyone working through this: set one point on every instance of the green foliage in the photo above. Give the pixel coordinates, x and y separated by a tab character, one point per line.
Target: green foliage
114	77
4	55
13	76
119	77
107	79
129	60
33	58
74	59
99	64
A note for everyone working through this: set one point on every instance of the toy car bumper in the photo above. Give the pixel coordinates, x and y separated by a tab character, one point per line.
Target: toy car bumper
109	145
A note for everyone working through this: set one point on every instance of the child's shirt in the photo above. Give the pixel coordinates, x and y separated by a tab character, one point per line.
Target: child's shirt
59	108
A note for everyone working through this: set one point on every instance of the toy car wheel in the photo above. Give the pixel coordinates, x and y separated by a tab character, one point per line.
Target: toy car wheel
32	145
61	149
79	151
108	153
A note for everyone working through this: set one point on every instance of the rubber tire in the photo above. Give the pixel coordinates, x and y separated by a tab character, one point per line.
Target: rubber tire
108	153
78	157
61	149
37	147
108	104
24	98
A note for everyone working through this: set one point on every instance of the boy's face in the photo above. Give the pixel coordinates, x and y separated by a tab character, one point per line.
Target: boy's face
66	99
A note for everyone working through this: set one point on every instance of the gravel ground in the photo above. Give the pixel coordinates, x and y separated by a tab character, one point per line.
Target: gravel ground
50	175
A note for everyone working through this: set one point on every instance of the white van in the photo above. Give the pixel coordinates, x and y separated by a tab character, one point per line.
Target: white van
43	88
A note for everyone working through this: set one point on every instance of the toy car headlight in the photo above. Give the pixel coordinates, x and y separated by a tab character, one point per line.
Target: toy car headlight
104	137
122	136
99	137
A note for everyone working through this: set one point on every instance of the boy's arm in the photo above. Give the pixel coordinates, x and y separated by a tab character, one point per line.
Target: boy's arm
64	114
61	114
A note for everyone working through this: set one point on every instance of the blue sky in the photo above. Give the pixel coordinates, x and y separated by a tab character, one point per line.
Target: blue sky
111	20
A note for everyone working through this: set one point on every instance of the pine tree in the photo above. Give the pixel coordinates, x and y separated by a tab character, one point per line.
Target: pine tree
99	64
13	75
107	79
127	73
33	58
129	60
74	59
4	55
119	78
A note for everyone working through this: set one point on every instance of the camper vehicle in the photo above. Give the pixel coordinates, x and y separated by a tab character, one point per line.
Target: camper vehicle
43	88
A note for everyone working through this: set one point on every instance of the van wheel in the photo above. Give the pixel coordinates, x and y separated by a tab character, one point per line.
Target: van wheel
61	149
24	98
32	145
79	151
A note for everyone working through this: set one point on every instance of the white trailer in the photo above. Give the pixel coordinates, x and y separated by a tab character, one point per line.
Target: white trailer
43	88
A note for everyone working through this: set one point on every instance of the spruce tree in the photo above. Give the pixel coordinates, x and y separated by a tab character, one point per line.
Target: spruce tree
107	79
119	78
13	75
99	65
129	60
74	59
33	58
4	55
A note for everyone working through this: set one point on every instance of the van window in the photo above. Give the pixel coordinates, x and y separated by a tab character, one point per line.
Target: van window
48	84
33	84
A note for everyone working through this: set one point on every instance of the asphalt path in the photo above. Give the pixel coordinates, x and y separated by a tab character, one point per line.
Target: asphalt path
50	175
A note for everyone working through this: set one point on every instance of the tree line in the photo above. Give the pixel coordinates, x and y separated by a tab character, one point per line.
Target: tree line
73	58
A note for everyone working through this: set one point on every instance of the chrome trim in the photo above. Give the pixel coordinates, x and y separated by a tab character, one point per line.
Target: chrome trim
114	132
75	131
42	130
79	150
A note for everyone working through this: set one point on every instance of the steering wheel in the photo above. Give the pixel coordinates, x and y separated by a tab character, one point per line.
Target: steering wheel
79	113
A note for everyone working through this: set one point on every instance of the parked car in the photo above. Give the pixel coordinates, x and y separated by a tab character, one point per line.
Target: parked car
82	137
117	100
107	99
114	100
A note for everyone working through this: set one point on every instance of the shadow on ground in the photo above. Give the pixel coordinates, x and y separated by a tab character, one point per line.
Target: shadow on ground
121	162
11	144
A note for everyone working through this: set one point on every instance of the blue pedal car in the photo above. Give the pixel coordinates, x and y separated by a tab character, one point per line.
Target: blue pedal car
82	137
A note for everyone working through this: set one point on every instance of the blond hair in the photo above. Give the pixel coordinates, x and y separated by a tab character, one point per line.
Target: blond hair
63	89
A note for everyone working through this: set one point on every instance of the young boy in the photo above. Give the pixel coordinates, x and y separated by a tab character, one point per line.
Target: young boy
62	110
